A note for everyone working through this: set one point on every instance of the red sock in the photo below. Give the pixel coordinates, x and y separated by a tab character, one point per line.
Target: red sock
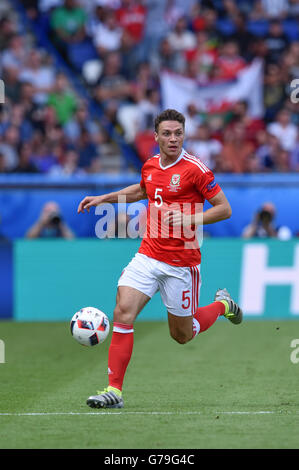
205	317
120	352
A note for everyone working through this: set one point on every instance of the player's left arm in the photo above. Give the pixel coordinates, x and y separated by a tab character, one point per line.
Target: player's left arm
220	210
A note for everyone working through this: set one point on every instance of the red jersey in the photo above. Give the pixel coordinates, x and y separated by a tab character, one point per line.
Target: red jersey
132	19
186	183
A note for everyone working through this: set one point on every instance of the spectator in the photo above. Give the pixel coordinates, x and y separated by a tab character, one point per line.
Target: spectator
240	113
16	55
87	150
62	100
230	8
173	12
196	19
47	122
294	157
96	18
12	84
293	8
210	17
257	12
80	120
7	31
181	39
192	121
259	49
147	109
113	86
274	91
68	23
5	120
18	119
276	41
166	58
26	98
229	62
242	36
25	165
203	146
50	224
131	17
284	130
8	145
277	9
236	150
293	64
155	28
44	158
129	58
3	168
262	223
40	74
107	35
203	57
69	165
268	151
143	81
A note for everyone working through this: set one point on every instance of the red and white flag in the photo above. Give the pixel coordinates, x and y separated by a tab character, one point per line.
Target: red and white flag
179	91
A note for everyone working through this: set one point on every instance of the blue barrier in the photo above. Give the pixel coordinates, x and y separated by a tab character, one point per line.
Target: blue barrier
22	197
51	279
6	279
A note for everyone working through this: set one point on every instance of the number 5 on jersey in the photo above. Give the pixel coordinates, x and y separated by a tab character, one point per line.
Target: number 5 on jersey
158	197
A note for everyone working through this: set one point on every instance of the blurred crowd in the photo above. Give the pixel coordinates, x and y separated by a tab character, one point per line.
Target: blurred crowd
118	48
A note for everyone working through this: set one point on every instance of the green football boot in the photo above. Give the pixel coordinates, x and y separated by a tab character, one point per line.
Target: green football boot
232	310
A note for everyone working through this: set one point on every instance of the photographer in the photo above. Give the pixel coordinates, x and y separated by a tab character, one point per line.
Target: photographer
50	224
262	224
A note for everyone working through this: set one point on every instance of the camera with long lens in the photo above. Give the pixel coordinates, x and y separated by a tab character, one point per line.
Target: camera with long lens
265	216
55	218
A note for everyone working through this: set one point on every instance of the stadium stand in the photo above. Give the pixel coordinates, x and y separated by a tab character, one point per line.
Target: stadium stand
89	74
84	80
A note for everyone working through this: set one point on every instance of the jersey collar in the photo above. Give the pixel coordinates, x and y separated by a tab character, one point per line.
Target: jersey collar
172	164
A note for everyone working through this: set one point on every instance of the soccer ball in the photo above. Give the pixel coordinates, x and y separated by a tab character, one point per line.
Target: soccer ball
90	326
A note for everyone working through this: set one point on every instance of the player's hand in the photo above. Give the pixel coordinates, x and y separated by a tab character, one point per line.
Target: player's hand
177	219
88	202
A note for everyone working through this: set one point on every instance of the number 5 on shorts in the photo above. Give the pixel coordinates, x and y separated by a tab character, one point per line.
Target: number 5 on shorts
186	299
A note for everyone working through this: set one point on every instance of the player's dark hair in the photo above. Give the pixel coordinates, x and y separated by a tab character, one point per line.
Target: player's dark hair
169	115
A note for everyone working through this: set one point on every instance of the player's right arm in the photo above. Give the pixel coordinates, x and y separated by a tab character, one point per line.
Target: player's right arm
133	193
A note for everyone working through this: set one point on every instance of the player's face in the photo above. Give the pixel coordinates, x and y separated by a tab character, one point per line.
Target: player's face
170	137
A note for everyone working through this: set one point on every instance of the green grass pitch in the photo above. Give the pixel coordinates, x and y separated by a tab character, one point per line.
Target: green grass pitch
232	387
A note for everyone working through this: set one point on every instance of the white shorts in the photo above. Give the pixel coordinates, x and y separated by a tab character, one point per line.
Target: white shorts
179	286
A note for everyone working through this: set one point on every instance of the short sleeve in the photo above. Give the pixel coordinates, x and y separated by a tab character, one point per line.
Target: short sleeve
142	184
206	184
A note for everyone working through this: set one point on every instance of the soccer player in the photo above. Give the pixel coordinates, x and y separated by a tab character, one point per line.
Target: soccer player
167	260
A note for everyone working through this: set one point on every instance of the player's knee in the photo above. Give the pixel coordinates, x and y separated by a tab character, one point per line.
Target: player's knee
122	314
180	337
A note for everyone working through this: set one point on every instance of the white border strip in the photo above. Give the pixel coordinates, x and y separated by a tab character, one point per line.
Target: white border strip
100	412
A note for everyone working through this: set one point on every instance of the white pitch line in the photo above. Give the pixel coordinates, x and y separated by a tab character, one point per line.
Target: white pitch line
100	413
245	412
